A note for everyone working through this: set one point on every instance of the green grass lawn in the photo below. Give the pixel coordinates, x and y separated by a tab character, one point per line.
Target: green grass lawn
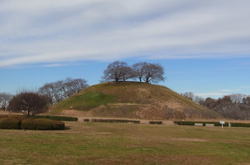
85	101
107	144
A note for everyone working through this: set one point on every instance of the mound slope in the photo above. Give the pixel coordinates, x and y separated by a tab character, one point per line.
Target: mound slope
133	100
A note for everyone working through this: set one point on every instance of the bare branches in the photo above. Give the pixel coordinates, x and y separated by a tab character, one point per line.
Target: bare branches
60	90
147	72
4	100
118	71
30	103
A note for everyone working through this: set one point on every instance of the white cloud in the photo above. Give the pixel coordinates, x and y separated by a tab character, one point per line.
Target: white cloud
34	31
223	92
215	94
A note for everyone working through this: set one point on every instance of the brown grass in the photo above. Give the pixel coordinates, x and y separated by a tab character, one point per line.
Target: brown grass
99	143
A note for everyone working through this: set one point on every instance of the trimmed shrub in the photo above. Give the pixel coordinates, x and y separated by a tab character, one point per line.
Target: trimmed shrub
86	120
116	121
42	124
240	124
155	122
10	123
184	122
59	118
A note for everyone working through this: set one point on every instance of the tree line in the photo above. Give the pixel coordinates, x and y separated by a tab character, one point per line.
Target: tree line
235	106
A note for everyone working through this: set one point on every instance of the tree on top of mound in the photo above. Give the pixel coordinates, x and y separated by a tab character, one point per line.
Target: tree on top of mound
118	71
29	103
148	72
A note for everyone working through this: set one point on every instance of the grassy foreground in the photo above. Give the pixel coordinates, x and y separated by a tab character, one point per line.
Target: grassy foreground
104	143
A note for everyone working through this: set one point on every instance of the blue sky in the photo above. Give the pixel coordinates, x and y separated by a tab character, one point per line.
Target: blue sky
203	45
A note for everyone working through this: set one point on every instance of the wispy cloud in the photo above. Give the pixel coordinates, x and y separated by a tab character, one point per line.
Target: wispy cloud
34	31
223	92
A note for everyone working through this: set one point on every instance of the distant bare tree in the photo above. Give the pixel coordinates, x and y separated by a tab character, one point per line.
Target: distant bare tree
118	71
193	97
28	102
246	101
229	108
210	103
188	95
237	98
4	100
149	72
61	90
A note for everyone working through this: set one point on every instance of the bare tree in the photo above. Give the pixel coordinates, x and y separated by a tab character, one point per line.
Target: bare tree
30	103
149	72
4	100
61	90
210	103
246	101
229	108
139	70
188	95
237	98
193	97
118	71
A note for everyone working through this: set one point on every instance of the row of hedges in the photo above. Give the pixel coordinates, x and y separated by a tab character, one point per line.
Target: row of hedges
120	121
113	121
192	123
30	124
58	118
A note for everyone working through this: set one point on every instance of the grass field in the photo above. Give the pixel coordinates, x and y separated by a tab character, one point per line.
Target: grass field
104	143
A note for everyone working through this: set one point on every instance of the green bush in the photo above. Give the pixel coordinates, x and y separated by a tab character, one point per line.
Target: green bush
10	123
42	124
116	121
240	124
192	123
155	122
59	118
184	122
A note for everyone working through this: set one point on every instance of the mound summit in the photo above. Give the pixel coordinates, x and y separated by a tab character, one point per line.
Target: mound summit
133	100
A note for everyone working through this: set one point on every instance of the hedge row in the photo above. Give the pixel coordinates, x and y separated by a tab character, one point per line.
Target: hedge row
192	123
10	123
112	121
30	123
59	118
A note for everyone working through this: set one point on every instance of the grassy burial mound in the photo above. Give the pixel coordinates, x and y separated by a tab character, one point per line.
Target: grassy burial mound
133	100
